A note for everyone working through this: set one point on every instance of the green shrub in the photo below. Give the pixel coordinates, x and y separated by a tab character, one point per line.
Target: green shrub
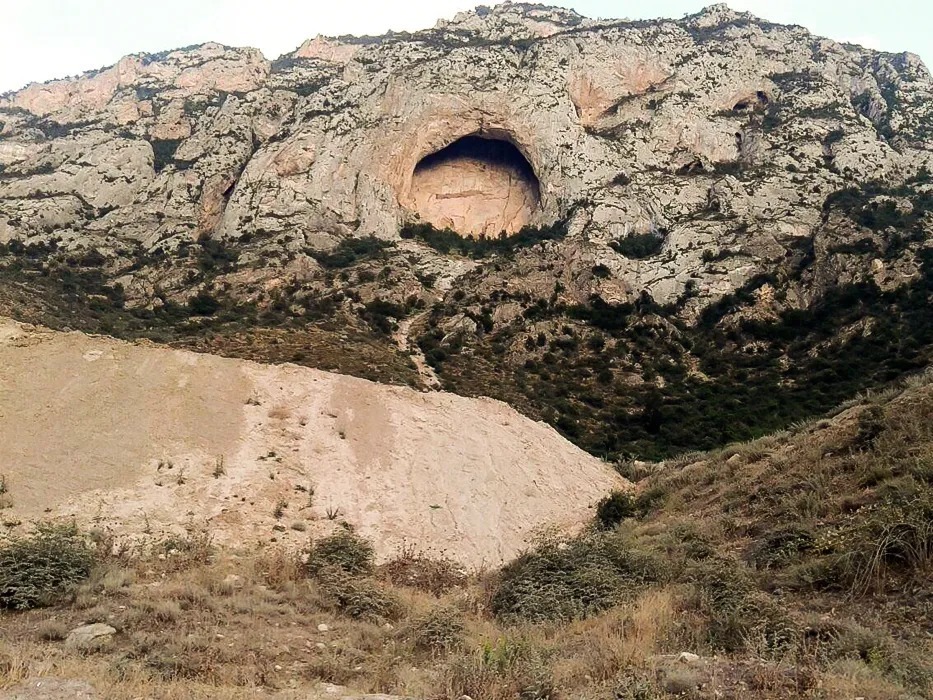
567	579
510	668
194	548
37	569
357	597
447	241
379	313
738	615
203	304
440	631
878	650
782	546
600	271
163	154
343	550
351	251
614	508
638	245
870	426
880	544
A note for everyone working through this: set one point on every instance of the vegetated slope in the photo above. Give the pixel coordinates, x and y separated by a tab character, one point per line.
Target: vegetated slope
797	565
733	231
638	379
149	440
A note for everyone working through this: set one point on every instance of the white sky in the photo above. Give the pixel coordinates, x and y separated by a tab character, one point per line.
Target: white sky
45	39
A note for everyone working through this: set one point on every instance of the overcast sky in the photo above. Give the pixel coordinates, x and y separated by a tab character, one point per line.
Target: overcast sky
45	39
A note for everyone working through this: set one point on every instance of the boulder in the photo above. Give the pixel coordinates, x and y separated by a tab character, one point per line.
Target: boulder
88	636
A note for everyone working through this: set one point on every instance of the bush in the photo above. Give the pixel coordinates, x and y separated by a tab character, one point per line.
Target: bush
737	613
881	543
203	304
637	246
379	314
447	241
870	425
878	650
38	569
568	579
440	631
344	550
782	546
613	509
510	668
434	576
163	154
600	271
359	598
351	251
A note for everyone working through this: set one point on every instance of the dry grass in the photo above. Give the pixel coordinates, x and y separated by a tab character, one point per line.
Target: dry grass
600	648
245	621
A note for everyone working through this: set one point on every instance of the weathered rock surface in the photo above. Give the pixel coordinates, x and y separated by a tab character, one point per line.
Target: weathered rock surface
719	130
87	636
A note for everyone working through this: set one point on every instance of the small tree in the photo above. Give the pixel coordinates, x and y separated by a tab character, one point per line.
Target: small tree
37	569
615	508
342	550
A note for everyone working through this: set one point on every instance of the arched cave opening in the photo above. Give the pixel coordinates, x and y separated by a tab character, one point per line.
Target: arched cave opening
477	186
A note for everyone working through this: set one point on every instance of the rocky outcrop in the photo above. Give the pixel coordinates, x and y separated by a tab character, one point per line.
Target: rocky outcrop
719	129
89	636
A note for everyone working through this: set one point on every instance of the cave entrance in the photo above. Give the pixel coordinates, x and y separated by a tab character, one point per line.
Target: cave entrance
477	186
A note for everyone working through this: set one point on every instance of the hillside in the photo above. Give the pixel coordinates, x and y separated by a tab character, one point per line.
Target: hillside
148	442
728	220
795	566
526	356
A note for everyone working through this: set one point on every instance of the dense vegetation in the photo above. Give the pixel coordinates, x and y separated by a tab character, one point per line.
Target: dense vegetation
572	376
633	379
447	241
40	568
196	308
638	245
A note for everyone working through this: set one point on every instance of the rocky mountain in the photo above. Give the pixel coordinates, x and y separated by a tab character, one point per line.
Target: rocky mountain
711	227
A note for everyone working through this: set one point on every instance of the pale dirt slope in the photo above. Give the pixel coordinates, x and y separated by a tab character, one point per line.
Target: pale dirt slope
128	436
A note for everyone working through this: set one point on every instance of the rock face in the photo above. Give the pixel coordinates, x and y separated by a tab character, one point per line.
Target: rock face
632	126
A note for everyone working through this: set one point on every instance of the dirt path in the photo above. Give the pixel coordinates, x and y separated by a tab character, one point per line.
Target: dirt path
402	338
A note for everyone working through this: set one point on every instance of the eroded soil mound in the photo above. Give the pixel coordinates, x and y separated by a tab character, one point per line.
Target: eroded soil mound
148	440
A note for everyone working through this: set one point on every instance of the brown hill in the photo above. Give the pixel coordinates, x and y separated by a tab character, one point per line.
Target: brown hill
143	439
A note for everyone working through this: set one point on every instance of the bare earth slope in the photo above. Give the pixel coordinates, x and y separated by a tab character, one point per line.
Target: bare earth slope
148	439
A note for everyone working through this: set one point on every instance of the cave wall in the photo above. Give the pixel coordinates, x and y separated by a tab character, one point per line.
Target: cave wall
477	187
